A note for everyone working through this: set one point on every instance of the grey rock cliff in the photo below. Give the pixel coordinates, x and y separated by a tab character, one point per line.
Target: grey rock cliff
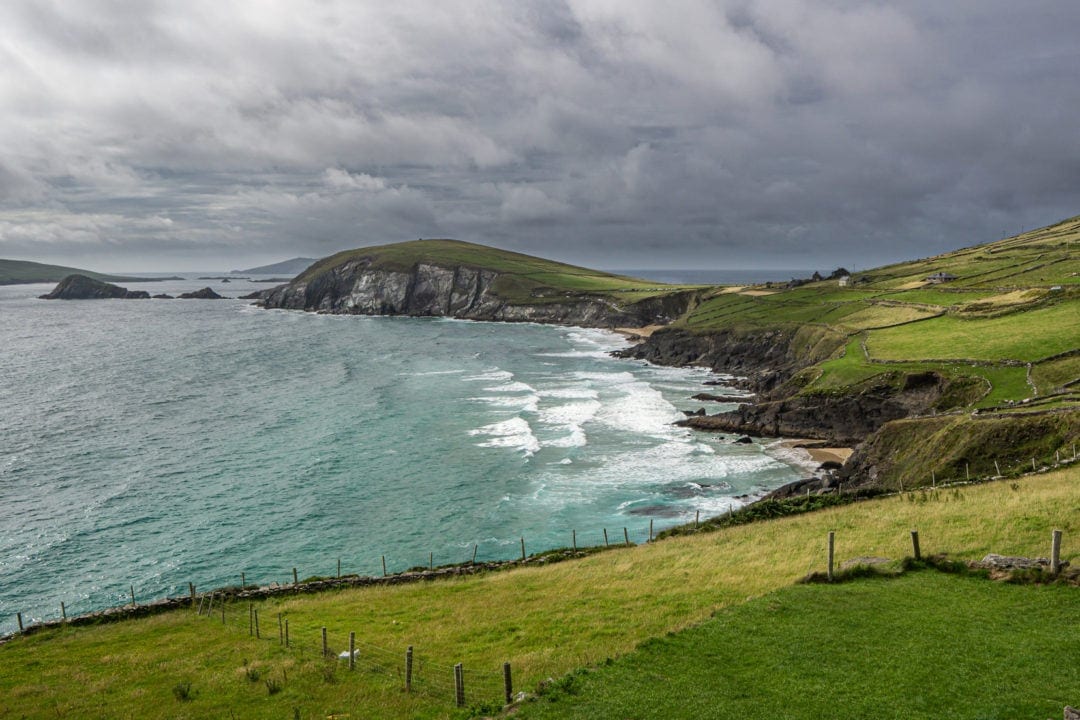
429	289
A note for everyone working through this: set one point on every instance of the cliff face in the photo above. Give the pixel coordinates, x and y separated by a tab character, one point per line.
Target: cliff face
462	292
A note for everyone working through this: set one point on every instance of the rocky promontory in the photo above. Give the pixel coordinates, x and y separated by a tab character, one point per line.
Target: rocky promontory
201	294
462	285
80	287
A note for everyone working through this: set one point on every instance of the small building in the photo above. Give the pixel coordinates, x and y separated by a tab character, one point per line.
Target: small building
940	277
843	280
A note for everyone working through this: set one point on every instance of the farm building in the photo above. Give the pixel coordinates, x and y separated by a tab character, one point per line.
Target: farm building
940	277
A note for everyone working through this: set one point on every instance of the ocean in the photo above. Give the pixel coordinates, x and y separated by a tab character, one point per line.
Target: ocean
153	443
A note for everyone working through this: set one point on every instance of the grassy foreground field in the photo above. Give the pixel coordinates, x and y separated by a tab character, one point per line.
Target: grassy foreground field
546	621
925	645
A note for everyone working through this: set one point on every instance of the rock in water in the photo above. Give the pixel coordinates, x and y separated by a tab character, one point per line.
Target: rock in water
80	287
203	294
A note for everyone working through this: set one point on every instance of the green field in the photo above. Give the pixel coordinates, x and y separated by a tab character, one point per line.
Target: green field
1027	336
546	621
924	645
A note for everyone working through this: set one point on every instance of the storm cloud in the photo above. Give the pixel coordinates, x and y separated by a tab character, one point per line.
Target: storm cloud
734	133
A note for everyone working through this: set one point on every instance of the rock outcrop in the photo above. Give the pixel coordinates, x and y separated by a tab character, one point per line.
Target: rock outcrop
81	287
430	289
201	294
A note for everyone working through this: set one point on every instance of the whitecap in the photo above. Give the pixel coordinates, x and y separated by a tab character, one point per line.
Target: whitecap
513	433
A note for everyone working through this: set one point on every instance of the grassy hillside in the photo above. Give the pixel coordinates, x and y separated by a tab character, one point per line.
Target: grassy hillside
18	272
523	278
549	620
1014	302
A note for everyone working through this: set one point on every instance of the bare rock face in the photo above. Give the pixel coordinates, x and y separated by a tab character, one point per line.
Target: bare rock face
81	287
433	290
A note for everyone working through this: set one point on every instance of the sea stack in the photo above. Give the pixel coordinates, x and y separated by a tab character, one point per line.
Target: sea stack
81	287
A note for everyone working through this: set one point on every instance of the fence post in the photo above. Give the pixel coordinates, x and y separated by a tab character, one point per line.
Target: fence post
431	561
475	547
697	517
626	537
650	530
222	611
1032	464
508	686
522	548
605	538
132	596
339	568
459	685
325	649
352	650
191	589
19	615
1055	552
574	539
210	607
295	581
408	669
384	566
257	624
286	632
243	581
915	544
832	541
998	468
63	611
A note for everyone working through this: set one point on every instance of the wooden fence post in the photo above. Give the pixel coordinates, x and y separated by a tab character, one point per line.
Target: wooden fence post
915	544
63	611
191	589
998	468
243	581
1055	552
339	568
522	548
508	685
132	596
431	561
384	566
325	648
459	685
408	669
574	539
650	530
697	517
19	615
286	632
295	581
832	540
210	607
257	637
605	538
352	650
475	547
626	537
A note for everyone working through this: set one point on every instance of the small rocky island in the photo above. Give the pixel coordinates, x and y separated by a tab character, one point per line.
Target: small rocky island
80	287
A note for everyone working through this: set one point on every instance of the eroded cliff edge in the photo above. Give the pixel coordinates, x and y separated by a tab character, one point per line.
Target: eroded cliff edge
460	291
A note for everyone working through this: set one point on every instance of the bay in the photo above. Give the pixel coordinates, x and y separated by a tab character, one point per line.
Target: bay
156	443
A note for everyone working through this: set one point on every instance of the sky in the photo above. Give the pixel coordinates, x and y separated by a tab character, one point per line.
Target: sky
201	134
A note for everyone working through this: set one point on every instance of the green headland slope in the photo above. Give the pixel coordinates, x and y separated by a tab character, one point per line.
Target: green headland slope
19	272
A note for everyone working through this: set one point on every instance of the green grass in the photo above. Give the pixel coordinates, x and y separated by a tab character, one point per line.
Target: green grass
1026	336
925	645
546	621
1056	374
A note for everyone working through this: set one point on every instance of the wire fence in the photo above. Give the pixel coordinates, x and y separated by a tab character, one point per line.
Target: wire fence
340	656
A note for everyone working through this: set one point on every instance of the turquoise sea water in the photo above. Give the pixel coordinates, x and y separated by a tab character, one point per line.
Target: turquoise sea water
156	443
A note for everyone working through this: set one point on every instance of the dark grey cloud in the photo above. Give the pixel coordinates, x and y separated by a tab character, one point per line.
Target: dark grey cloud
734	133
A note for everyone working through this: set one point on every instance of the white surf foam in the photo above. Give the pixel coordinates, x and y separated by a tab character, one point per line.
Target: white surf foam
515	433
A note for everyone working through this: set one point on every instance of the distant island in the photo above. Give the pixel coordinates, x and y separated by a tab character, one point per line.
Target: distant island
292	267
24	272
